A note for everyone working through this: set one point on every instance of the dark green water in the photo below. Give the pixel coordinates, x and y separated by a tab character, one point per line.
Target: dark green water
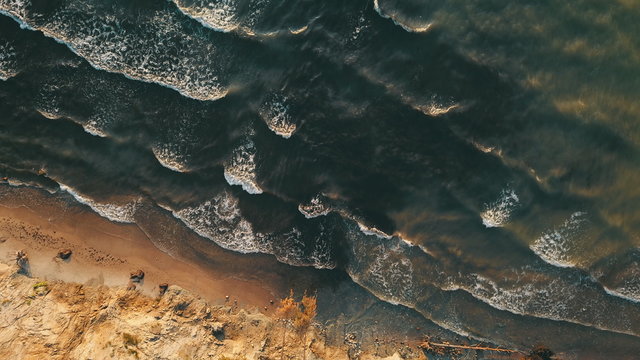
476	161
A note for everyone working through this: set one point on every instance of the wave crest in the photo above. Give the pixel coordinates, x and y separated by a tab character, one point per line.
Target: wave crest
555	245
240	169
275	112
153	48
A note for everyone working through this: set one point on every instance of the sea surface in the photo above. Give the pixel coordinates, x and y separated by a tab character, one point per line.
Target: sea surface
477	161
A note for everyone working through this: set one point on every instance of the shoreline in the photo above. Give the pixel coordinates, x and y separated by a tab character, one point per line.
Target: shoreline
104	254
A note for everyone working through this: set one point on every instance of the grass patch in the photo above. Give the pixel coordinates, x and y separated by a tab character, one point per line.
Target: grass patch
40	289
40	284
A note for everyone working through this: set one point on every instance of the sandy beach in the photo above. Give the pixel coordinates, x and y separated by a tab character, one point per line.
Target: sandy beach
106	253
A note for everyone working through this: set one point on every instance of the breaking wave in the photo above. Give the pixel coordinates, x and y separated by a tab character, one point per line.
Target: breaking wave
93	127
414	28
381	265
314	208
275	113
170	157
436	108
219	220
123	213
499	212
153	48
221	15
240	169
555	245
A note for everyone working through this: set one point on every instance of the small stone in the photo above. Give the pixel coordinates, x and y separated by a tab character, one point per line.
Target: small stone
136	276
21	258
64	254
163	288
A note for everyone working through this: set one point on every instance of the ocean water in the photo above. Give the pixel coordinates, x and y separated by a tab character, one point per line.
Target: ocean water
476	161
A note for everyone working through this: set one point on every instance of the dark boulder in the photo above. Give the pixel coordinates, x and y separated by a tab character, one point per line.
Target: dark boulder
163	288
136	276
64	254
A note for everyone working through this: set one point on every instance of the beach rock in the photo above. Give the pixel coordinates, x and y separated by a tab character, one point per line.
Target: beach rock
136	276
163	288
64	254
21	256
22	260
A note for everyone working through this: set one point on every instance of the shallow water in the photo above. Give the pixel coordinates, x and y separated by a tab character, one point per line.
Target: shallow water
473	160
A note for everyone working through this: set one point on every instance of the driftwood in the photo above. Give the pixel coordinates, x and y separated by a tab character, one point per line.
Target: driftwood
446	348
537	353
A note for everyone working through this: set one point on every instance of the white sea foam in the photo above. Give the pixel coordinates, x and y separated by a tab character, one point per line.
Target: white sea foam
630	290
451	323
316	207
291	248
483	148
371	230
435	109
94	129
275	113
142	53
123	213
322	252
498	213
299	30
224	15
360	27
240	169
170	158
49	115
19	183
17	10
221	15
219	220
8	60
526	298
627	285
422	28
382	265
547	297
555	245
387	271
